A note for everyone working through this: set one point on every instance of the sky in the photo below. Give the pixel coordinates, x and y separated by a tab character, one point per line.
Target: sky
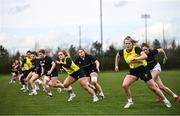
29	24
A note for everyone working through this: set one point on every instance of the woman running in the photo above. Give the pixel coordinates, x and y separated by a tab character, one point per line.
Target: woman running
135	58
155	69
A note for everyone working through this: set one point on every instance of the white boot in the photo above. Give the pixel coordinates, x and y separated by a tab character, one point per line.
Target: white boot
167	103
95	98
34	92
72	95
101	94
128	104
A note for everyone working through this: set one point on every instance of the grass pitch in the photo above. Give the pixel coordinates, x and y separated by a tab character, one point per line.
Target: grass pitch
14	102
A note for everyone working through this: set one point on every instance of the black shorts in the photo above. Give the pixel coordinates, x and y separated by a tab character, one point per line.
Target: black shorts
37	71
89	70
78	74
20	71
53	74
25	73
141	72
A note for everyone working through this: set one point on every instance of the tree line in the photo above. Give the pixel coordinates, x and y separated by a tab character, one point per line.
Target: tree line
106	58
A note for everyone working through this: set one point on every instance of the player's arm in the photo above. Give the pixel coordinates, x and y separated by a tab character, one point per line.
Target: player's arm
97	65
117	59
94	60
161	51
60	66
68	63
16	67
76	61
42	70
52	67
142	56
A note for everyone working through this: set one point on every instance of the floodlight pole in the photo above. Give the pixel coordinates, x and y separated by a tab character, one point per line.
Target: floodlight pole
101	27
2	16
79	36
145	16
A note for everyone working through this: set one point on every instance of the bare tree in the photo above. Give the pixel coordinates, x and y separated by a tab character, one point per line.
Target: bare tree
156	44
96	48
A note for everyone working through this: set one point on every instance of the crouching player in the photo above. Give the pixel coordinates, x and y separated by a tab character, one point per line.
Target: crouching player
25	66
51	74
74	74
14	71
35	74
90	65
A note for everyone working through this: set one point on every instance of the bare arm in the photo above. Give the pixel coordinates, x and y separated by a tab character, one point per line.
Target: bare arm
42	71
52	67
142	56
97	65
117	59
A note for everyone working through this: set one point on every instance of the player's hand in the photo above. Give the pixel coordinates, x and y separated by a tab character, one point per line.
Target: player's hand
116	68
57	62
41	74
132	60
98	69
49	72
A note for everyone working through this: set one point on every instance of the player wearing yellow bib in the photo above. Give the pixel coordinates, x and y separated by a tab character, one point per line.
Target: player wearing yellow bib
25	65
136	59
30	68
74	74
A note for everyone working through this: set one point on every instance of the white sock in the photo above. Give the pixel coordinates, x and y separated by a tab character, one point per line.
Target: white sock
24	87
94	96
174	95
36	87
129	99
72	93
34	91
27	88
49	93
101	93
165	100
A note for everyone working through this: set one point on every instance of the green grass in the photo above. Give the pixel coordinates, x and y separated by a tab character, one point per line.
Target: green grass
14	102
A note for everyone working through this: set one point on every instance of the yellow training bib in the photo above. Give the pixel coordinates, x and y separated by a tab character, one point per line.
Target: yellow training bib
133	54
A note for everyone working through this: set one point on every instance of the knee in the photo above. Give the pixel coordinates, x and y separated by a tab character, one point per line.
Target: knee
94	82
153	88
162	87
54	84
125	86
65	85
30	81
85	86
